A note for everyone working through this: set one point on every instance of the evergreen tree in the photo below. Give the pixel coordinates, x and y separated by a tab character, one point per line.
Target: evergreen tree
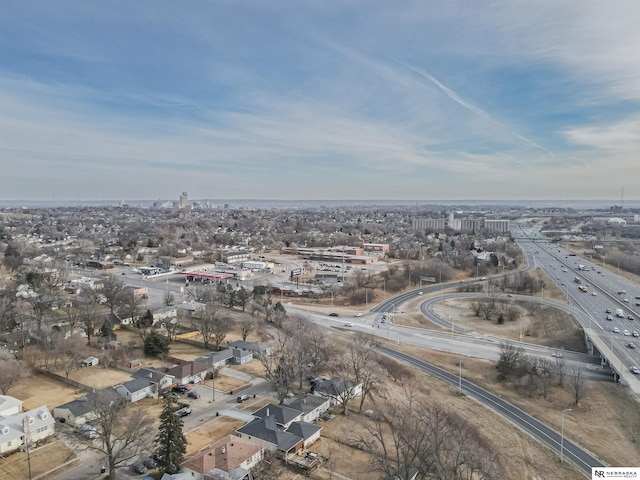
156	344
171	445
106	332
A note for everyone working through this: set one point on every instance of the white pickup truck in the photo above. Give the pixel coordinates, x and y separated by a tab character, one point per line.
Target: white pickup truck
619	313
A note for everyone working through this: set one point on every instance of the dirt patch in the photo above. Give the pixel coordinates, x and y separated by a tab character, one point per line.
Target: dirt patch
537	324
98	377
41	390
42	460
226	384
210	432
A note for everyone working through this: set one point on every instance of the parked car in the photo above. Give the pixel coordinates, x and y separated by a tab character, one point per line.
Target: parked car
138	467
193	394
150	462
181	388
87	431
183	412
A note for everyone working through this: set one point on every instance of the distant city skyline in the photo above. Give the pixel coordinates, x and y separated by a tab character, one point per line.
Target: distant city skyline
289	100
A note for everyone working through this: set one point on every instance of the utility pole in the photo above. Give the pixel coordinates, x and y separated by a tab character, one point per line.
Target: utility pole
27	441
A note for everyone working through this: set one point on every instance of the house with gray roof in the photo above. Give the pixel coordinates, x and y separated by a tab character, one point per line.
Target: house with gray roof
257	348
190	372
216	359
12	428
267	432
283	415
337	390
161	379
10	405
137	389
311	406
76	412
307	431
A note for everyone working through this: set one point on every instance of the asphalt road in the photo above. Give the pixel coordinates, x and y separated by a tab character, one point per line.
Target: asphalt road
572	453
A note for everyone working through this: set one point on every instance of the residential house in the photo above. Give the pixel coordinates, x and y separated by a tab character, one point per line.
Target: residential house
307	431
257	348
337	390
266	432
161	379
13	427
311	406
283	415
241	356
137	389
78	411
278	428
190	372
230	458
9	405
216	359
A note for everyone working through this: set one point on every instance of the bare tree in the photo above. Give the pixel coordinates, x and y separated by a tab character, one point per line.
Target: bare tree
11	372
560	370
577	384
212	324
124	431
511	358
70	352
221	327
361	357
247	325
72	314
169	298
113	290
131	305
89	315
280	366
398	372
415	436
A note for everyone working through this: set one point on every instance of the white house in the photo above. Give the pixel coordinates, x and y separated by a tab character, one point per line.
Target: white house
137	389
10	405
337	390
12	428
311	406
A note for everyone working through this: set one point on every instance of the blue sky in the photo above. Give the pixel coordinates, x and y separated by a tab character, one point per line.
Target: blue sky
292	99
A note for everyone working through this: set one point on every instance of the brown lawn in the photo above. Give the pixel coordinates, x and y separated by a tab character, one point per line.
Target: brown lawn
98	377
41	390
210	432
226	384
42	460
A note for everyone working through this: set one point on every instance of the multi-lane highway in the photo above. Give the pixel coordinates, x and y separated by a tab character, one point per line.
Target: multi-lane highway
615	337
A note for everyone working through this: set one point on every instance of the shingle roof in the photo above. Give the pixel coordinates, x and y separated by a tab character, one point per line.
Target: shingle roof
282	414
306	403
136	384
226	454
303	429
187	369
268	430
13	423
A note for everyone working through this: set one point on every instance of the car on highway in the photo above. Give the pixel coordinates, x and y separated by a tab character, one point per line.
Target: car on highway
630	317
626	300
347	324
634	370
595	294
634	334
608	310
557	354
621	292
358	314
626	333
483	278
333	314
610	318
420	293
630	345
616	330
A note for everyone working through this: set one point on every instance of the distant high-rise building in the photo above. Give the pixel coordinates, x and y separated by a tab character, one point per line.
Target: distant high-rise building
184	201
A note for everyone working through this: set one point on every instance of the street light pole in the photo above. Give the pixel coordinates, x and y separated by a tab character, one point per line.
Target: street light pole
451	322
562	435
460	373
